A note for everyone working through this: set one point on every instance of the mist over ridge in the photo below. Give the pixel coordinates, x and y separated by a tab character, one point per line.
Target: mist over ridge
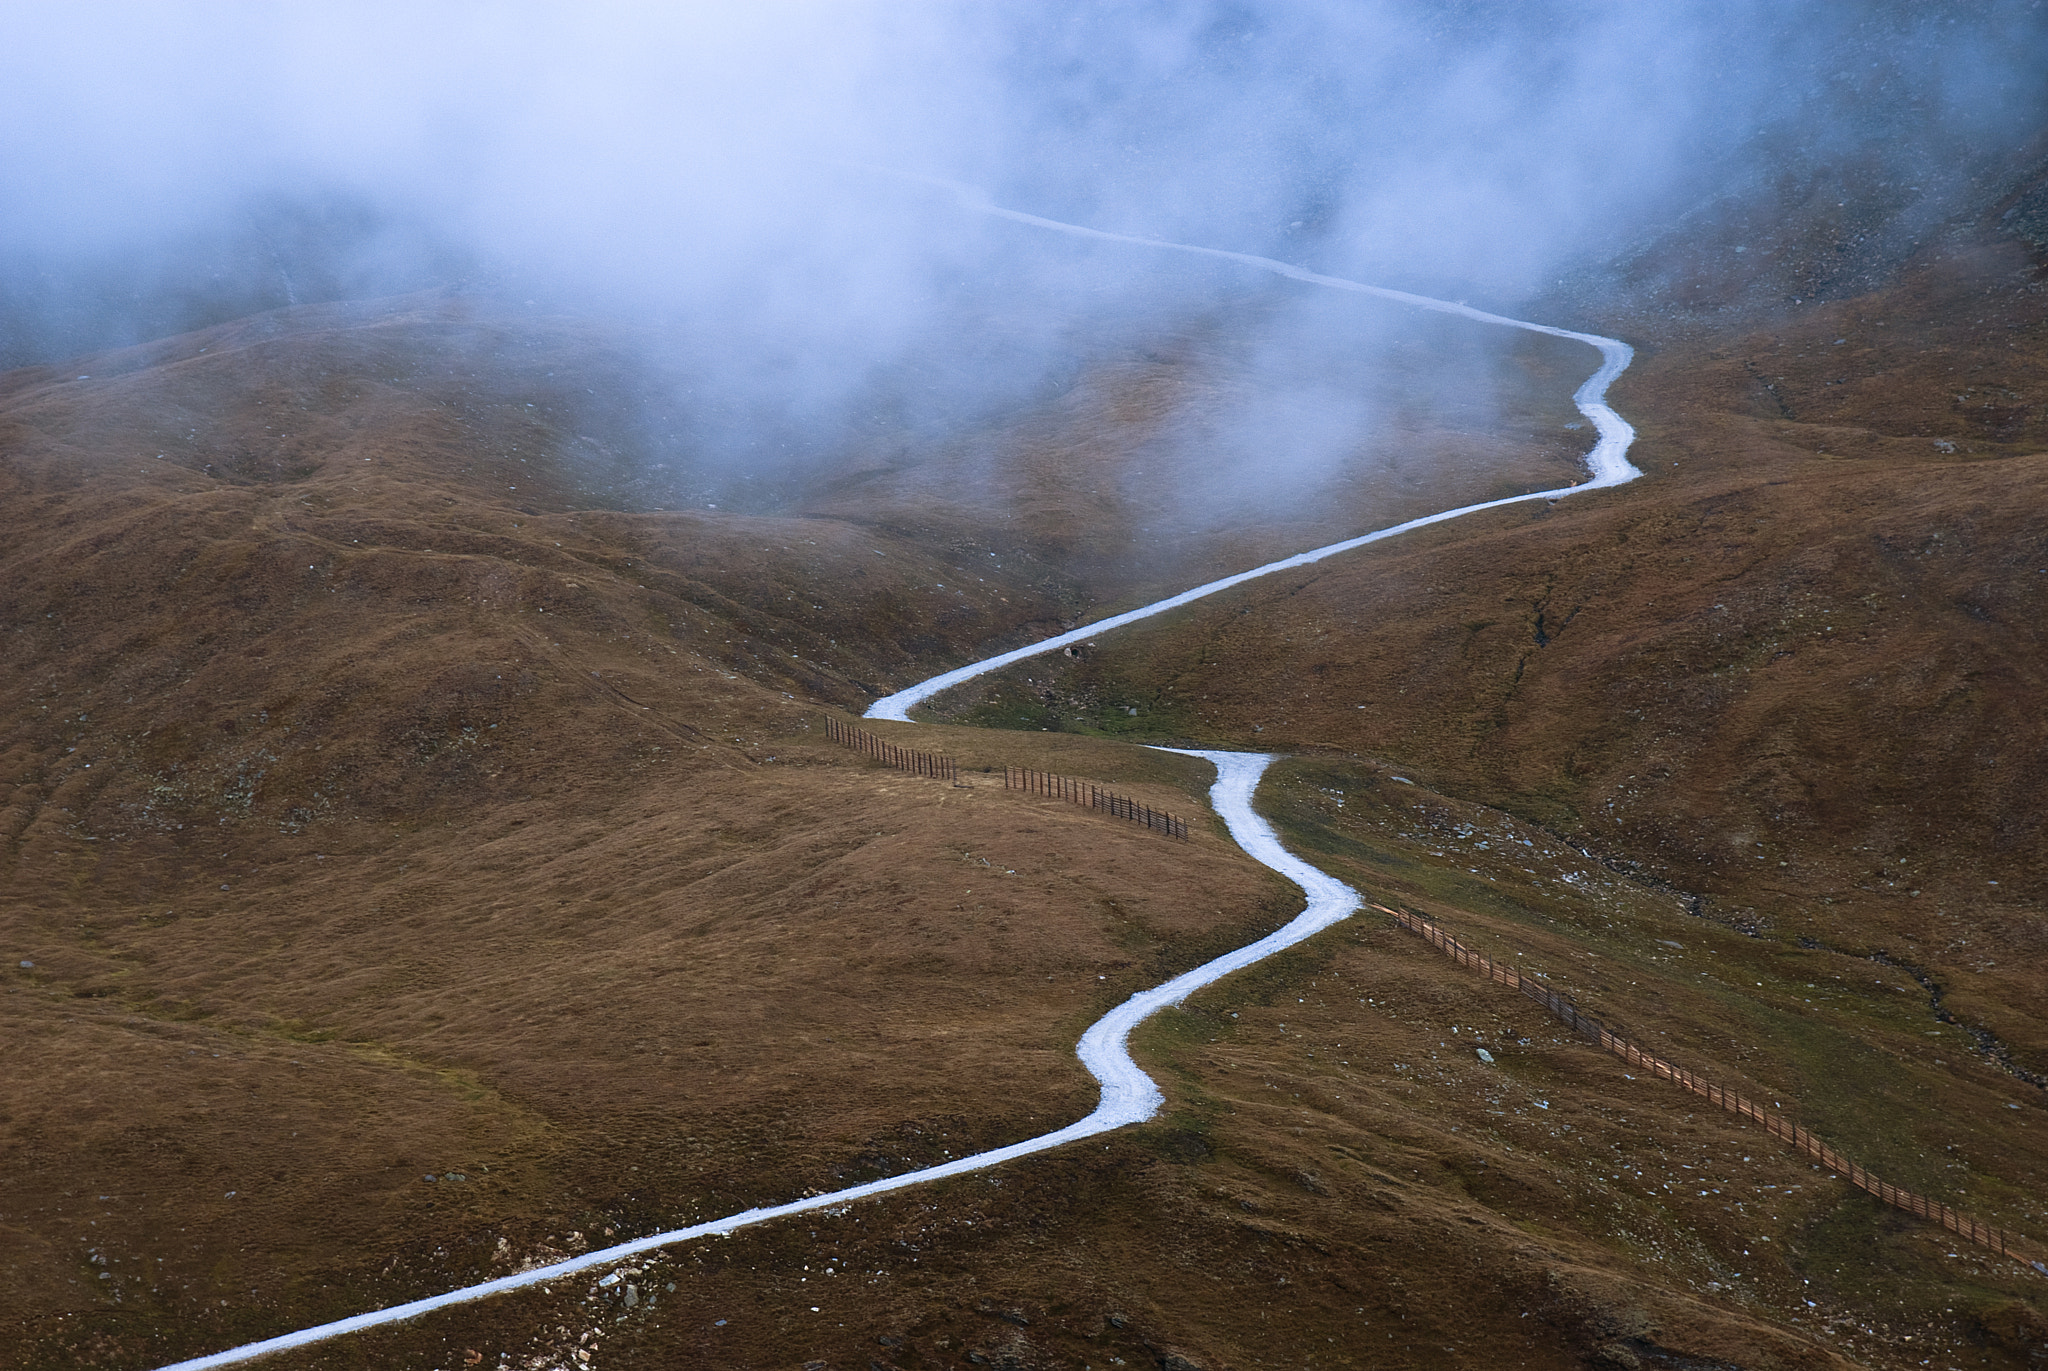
703	175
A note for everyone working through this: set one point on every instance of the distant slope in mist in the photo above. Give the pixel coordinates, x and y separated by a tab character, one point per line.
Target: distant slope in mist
1799	226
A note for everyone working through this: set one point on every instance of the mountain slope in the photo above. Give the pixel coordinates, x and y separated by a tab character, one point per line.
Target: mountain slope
487	834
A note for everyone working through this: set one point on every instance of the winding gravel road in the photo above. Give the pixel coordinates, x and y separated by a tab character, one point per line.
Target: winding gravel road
1607	464
1128	1095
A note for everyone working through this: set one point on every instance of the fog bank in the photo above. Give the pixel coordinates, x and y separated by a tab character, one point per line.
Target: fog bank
706	173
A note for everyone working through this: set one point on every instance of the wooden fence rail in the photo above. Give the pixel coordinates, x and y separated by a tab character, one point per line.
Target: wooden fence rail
1014	778
1095	797
1775	1124
902	758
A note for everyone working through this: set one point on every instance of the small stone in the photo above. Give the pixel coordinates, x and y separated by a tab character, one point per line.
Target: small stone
28	966
1485	1056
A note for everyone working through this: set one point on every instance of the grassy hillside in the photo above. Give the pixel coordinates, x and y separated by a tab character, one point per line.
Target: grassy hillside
422	857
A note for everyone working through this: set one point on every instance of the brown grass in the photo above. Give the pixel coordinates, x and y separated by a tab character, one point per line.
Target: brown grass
492	834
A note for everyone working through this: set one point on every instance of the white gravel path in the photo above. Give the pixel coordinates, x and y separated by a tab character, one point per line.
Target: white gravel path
1128	1094
1607	464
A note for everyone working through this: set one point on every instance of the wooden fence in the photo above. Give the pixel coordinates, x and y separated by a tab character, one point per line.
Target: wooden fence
1775	1124
902	758
1095	797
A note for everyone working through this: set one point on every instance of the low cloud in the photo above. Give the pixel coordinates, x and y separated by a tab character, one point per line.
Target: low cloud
705	173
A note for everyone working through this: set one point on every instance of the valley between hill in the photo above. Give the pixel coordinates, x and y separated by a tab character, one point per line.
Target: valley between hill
399	784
